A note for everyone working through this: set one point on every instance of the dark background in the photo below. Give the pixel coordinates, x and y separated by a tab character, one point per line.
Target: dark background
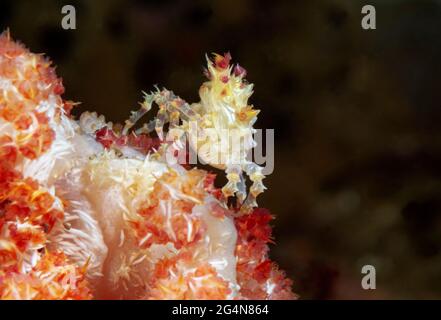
356	116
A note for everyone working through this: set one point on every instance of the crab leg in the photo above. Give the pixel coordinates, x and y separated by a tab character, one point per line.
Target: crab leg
242	189
147	127
233	177
256	176
183	108
136	115
161	119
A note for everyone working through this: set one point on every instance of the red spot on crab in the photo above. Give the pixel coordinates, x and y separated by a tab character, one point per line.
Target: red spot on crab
222	62
142	143
106	137
240	71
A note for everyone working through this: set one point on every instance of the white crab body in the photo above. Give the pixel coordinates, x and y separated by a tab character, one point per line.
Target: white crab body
219	127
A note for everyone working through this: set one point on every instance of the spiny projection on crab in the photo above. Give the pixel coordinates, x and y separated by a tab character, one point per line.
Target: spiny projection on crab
223	107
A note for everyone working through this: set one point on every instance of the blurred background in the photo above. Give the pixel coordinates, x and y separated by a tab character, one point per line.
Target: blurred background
356	115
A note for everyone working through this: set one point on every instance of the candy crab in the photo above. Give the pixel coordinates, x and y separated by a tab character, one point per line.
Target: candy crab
219	127
89	209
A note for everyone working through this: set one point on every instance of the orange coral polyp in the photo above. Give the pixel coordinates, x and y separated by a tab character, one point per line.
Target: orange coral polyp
171	282
184	228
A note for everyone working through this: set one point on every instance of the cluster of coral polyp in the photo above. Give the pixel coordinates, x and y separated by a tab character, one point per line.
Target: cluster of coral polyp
88	211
